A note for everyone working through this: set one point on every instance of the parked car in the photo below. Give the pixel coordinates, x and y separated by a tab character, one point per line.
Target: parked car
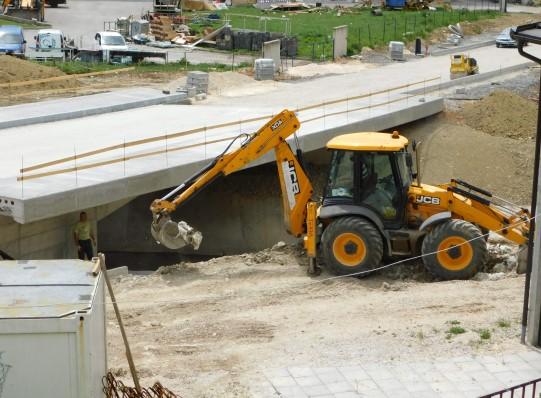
12	40
50	44
504	39
110	41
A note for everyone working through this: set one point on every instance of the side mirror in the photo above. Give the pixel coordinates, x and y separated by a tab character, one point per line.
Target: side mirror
97	37
24	41
35	37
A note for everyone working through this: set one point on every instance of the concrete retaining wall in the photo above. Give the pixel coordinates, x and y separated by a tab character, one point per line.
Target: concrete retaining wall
340	40
271	50
50	238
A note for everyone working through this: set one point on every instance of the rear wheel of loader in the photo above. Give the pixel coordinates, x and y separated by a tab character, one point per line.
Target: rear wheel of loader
455	254
351	245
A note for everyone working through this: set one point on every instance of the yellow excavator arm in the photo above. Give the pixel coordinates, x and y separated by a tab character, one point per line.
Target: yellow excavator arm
296	187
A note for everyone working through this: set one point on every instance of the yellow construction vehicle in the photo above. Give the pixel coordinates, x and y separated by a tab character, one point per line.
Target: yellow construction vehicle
374	205
25	9
463	65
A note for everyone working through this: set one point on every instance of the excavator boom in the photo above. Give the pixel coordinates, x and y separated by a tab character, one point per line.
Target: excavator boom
295	185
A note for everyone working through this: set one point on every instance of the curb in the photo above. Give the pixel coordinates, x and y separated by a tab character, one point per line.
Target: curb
457	49
55	117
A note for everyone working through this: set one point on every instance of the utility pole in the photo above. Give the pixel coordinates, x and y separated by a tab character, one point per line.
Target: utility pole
531	311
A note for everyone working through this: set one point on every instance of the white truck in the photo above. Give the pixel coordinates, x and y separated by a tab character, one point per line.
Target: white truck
50	44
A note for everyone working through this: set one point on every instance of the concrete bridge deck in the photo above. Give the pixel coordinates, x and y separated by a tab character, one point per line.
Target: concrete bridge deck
128	171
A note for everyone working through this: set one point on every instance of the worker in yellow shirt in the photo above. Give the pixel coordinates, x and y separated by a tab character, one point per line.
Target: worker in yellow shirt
84	237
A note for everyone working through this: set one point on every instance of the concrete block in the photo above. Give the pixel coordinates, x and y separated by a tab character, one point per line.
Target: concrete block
353	373
340	41
399	394
314	391
308	381
470	366
340	386
283	381
271	50
416	386
292	392
481	375
389	384
348	394
296	371
443	386
333	376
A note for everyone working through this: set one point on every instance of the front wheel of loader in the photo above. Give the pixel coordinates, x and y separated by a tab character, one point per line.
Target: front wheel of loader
454	249
351	245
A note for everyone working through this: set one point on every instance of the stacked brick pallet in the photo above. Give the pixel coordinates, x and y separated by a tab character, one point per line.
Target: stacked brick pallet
162	28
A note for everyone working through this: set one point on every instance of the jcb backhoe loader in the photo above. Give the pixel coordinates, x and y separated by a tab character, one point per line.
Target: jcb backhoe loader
373	206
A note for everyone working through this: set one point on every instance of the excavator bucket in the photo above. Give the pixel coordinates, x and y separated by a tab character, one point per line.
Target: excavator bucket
175	235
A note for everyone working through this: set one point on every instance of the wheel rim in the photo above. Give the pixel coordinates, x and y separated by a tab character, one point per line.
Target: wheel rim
455	253
349	249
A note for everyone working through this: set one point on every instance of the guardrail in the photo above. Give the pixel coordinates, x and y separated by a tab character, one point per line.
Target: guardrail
368	104
524	390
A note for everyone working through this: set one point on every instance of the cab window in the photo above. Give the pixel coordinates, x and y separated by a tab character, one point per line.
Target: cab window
341	181
378	189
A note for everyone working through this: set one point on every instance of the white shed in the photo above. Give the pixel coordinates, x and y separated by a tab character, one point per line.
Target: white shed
52	329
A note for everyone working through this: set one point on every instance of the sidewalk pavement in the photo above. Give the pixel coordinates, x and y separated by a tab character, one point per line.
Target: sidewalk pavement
465	376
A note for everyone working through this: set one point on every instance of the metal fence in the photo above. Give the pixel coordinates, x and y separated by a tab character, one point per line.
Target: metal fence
524	390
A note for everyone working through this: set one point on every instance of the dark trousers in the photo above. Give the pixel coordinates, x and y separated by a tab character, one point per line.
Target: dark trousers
86	249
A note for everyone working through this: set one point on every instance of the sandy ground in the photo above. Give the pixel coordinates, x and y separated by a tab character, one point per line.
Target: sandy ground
453	150
208	329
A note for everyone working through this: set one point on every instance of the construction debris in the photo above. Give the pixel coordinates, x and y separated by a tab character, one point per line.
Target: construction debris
162	28
114	388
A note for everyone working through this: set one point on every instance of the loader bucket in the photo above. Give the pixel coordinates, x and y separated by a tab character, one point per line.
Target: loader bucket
175	235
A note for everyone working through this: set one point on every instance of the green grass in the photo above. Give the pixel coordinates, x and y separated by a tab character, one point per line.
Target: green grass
314	30
484	334
77	67
454	322
504	323
24	25
456	330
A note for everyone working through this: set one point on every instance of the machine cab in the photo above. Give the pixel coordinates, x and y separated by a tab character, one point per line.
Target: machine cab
370	172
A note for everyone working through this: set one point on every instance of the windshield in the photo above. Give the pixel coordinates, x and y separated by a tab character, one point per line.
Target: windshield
10	38
405	171
113	41
50	40
340	182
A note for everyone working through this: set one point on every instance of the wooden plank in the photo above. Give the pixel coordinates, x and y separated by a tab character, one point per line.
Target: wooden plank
118	160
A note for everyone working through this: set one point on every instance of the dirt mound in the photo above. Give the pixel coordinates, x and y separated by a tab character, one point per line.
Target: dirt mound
500	164
17	70
503	114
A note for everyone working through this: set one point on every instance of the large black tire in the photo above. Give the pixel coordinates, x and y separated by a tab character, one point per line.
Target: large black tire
351	245
463	257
